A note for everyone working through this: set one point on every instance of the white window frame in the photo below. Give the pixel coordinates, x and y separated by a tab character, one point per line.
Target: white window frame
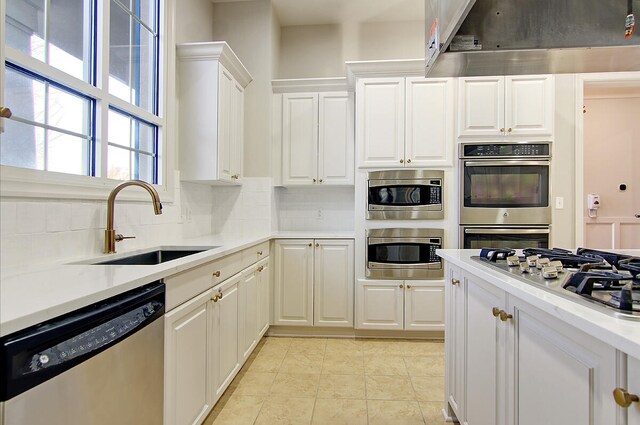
28	183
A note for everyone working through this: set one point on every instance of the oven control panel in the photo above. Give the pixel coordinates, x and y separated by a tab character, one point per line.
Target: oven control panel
505	150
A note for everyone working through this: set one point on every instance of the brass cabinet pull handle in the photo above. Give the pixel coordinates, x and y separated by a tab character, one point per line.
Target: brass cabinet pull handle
455	281
260	268
408	161
623	398
401	286
216	274
215	298
5	112
259	252
235	176
496	311
504	316
221	295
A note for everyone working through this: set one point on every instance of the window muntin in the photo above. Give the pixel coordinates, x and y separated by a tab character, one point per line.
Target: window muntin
51	128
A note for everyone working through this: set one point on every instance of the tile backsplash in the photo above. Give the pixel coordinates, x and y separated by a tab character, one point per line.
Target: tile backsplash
43	231
315	208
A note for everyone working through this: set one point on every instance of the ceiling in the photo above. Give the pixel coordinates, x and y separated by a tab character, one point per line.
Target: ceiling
319	12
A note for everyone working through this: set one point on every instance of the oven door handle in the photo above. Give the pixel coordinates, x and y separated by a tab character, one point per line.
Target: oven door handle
506	231
380	241
504	163
378	264
415	182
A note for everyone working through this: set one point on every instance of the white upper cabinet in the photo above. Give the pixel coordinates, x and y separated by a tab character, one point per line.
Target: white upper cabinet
517	106
317	138
211	82
404	122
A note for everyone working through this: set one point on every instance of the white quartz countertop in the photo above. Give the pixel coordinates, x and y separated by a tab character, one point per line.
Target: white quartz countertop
29	296
620	333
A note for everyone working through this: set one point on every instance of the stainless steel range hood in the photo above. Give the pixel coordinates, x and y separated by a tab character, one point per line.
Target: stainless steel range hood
531	37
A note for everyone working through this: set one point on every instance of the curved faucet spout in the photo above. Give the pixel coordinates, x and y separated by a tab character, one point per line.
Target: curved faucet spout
110	237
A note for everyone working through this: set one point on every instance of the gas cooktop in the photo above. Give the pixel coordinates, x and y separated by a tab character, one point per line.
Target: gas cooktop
603	280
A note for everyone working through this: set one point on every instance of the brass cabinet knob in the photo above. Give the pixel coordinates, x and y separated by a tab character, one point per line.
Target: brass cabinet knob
314	180
502	130
504	316
455	282
317	244
623	398
259	252
408	286
5	112
401	286
408	161
310	244
510	130
216	274
402	161
320	180
496	311
235	177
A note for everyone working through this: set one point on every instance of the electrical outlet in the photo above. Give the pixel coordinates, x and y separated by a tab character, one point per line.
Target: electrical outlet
559	202
319	213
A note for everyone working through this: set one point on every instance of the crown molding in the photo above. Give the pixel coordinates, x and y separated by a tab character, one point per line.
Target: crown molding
215	50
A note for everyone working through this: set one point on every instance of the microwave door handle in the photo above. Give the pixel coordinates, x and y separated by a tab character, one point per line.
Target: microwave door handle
506	231
504	163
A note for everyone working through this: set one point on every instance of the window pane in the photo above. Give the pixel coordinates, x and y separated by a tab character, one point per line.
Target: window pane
118	163
119	129
145	166
133	61
133	144
67	154
22	145
25	95
147	12
66	43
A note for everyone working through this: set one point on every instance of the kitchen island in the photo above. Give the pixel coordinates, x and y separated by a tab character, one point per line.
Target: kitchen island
519	354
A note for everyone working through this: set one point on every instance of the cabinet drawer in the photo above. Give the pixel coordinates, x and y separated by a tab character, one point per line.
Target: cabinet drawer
254	254
186	285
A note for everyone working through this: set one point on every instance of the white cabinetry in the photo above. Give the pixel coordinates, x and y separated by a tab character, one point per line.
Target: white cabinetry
512	354
400	305
317	138
633	389
264	298
211	82
404	122
514	106
314	282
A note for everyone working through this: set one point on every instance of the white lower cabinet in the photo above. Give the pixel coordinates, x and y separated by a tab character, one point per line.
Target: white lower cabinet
400	305
313	282
516	364
248	319
264	300
633	388
188	394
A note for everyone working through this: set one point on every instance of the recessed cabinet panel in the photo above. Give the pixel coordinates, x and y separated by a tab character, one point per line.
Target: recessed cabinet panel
227	121
424	306
633	387
429	122
455	340
264	297
300	137
333	282
293	288
380	121
481	106
248	292
226	334
380	304
335	146
237	132
528	105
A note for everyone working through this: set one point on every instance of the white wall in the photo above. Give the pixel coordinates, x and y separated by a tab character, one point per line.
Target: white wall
247	27
321	50
315	209
193	21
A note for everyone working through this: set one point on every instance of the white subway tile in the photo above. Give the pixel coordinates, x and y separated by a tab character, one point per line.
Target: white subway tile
31	217
8	218
58	217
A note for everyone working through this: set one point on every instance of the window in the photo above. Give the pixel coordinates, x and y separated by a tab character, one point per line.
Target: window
82	78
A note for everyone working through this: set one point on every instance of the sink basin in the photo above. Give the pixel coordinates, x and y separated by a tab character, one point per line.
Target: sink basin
149	258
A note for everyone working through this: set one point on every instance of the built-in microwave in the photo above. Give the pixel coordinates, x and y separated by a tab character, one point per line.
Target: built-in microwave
405	194
404	253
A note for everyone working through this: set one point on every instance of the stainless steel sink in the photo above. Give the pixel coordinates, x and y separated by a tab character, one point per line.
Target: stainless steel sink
156	256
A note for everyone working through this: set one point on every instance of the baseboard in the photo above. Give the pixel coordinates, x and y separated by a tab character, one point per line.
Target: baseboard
320	332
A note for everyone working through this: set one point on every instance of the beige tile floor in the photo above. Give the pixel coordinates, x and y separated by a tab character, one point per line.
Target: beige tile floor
332	381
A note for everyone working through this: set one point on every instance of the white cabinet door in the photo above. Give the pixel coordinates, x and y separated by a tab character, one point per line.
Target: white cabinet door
293	286
188	395
237	133
227	322
552	358
454	339
481	106
529	105
333	283
299	138
226	124
264	297
633	387
429	139
380	122
248	311
485	345
424	305
335	134
380	304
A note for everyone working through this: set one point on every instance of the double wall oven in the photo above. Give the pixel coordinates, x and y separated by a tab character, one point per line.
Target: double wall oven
505	194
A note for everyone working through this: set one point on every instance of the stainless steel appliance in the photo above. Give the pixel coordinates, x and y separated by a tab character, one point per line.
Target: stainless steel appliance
505	183
405	194
102	364
404	253
606	281
516	237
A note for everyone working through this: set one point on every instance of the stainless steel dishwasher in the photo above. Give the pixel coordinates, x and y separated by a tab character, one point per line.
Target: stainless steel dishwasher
102	364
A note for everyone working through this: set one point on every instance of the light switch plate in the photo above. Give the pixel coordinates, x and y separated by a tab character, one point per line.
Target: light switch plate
559	202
